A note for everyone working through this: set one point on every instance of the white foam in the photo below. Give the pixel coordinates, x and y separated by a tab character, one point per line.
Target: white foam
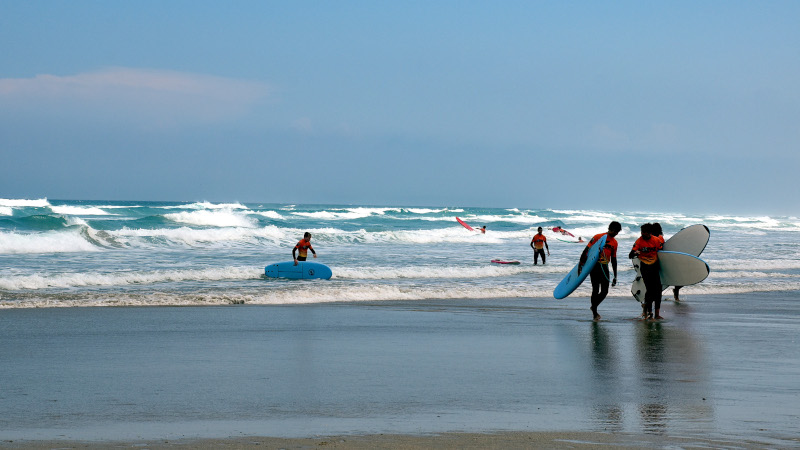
207	205
224	217
19	203
195	237
79	210
48	242
6	211
753	264
84	279
271	215
444	272
345	214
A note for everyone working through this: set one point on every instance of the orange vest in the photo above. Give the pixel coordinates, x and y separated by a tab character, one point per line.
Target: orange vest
538	241
609	251
303	246
648	249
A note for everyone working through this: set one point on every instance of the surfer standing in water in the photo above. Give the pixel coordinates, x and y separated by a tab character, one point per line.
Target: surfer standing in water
538	244
483	229
304	246
599	274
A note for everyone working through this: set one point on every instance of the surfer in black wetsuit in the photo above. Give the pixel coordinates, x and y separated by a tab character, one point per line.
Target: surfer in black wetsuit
600	275
538	244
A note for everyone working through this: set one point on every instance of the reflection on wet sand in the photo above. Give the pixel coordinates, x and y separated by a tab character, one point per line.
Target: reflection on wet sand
654	374
673	378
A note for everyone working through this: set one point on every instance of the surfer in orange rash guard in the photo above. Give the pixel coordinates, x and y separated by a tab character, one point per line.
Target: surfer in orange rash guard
646	249
304	246
599	274
538	244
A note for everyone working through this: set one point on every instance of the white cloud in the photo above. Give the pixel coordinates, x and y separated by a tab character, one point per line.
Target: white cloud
149	97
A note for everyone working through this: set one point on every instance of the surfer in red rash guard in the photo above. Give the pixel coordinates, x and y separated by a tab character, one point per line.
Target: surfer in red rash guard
599	274
538	244
304	246
646	248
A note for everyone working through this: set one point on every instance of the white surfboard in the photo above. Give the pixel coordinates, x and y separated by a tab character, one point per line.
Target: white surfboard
691	240
676	269
681	269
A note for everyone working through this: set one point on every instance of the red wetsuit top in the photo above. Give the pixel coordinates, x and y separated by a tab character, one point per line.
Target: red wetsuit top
538	241
648	249
610	249
304	246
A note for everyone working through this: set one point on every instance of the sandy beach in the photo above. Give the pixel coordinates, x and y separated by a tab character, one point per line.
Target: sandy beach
720	371
507	440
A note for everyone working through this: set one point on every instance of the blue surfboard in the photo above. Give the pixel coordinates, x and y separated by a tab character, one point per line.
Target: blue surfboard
573	279
304	270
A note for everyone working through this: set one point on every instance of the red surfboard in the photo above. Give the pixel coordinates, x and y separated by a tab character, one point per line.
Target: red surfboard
465	225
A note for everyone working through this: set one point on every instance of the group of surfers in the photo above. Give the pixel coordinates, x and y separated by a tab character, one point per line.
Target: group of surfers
645	248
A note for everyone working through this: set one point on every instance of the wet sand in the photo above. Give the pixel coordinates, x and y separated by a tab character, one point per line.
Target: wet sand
507	440
720	371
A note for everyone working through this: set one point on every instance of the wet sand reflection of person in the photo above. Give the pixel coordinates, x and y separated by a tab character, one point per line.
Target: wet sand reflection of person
654	373
673	375
607	379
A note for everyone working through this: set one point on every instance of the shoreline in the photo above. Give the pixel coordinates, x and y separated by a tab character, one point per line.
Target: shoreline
499	440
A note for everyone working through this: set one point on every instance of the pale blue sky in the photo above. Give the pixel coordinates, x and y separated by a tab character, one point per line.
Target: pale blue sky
679	106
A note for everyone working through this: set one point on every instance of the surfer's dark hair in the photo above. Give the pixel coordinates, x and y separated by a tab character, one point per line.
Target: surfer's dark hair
614	226
307	234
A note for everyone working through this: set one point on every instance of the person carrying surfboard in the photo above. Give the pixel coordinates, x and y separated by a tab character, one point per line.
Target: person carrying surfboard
538	244
303	246
599	274
646	249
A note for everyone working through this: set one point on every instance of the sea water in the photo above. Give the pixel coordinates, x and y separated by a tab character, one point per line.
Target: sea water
416	332
110	253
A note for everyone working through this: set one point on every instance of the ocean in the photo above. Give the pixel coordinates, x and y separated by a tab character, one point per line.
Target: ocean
153	321
110	253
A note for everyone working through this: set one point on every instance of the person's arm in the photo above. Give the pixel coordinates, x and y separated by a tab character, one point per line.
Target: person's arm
547	247
614	266
534	248
294	256
634	251
312	250
582	261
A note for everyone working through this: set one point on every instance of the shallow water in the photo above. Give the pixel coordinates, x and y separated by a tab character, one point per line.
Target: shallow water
81	253
718	367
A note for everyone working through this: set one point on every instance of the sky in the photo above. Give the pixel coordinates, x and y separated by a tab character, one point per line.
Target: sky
681	106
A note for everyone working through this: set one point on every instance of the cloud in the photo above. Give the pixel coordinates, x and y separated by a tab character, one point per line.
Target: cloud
148	97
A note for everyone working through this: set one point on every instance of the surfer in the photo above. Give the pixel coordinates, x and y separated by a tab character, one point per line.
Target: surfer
483	229
564	232
538	244
599	274
303	246
646	249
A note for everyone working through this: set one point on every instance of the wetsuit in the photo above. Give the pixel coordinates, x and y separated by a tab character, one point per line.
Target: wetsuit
303	246
600	276
538	242
649	268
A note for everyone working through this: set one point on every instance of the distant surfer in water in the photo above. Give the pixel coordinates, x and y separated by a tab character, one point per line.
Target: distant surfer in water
303	246
599	274
483	229
538	244
564	232
646	249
